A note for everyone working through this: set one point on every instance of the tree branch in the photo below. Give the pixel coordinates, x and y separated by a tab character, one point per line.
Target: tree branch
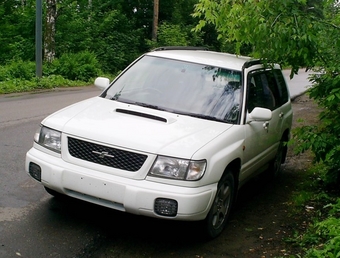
277	17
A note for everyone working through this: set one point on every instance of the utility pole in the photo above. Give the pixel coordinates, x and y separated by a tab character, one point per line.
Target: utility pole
38	39
155	19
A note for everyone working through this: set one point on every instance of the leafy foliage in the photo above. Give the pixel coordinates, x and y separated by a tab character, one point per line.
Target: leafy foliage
324	236
284	32
17	69
175	35
91	37
16	30
295	33
69	70
46	82
81	66
323	138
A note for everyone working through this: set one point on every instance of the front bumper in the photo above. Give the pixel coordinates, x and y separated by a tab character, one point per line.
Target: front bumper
124	194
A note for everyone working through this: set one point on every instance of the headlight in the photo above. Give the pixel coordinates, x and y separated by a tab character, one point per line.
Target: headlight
49	138
181	169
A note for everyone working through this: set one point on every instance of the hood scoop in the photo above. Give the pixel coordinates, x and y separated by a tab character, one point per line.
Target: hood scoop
136	113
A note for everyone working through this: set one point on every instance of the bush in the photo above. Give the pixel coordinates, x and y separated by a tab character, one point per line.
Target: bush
48	82
175	35
325	235
17	69
323	138
80	66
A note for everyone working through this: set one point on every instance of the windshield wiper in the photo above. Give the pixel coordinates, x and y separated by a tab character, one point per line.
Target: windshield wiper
212	118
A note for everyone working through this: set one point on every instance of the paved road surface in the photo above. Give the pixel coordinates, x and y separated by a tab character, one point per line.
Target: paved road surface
299	84
29	225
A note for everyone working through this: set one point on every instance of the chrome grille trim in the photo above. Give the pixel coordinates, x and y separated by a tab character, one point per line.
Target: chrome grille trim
104	155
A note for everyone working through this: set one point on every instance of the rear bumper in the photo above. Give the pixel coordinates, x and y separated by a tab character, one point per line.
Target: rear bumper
124	194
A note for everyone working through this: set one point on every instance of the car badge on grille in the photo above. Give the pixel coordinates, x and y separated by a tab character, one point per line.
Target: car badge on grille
103	154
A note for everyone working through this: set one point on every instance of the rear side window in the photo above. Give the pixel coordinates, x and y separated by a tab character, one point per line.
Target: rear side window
282	87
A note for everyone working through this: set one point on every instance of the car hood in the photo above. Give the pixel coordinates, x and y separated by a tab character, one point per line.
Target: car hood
135	128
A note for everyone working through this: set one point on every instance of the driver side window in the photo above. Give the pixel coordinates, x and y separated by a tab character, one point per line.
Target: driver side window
261	91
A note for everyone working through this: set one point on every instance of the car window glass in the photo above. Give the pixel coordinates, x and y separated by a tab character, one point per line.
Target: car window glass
282	88
181	87
260	93
272	85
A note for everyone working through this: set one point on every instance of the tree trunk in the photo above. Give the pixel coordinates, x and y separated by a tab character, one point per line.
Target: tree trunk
49	35
89	7
155	19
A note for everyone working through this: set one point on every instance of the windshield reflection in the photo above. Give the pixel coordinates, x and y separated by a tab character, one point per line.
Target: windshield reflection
180	87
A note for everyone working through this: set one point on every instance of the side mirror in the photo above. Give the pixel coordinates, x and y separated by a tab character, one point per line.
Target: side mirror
259	114
102	83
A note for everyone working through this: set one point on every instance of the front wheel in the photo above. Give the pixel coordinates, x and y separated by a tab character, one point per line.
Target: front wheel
221	207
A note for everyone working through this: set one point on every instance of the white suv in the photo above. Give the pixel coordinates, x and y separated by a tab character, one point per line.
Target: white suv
174	136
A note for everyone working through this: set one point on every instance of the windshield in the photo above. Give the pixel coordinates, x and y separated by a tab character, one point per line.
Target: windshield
180	87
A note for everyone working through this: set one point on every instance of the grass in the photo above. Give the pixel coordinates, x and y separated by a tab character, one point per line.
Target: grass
49	82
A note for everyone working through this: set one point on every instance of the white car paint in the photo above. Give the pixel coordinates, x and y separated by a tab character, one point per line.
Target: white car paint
251	143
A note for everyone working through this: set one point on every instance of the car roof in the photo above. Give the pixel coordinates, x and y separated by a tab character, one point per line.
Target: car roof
223	60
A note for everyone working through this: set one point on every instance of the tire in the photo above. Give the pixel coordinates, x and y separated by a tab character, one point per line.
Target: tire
275	168
219	212
53	193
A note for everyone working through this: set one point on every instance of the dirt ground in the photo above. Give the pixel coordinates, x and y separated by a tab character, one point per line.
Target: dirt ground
259	224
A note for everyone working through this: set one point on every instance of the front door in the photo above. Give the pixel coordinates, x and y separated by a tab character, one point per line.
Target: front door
262	138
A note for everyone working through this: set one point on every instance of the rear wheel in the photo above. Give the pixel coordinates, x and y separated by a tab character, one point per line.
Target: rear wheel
275	166
221	207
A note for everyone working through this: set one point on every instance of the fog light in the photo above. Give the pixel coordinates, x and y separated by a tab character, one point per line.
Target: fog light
35	171
166	207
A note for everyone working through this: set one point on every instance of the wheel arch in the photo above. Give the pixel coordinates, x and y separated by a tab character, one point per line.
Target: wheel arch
233	167
222	205
285	138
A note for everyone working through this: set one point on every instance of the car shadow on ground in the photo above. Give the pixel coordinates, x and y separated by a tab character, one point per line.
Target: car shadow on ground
129	235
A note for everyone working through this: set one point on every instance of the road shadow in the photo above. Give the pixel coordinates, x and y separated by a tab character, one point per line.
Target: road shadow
119	234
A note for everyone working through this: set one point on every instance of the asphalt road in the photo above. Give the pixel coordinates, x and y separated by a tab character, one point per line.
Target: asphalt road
32	224
29	225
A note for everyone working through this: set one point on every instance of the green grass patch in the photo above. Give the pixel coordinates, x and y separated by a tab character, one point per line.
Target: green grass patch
49	82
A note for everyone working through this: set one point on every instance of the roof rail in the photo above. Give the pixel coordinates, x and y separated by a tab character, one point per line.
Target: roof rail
180	48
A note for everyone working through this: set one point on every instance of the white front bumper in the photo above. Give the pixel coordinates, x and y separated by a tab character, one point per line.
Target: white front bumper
124	194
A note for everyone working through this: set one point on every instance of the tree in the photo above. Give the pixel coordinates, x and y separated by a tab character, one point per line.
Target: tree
281	31
155	19
295	33
16	30
50	30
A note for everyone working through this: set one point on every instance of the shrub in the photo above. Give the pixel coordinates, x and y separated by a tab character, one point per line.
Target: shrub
323	138
17	69
326	232
48	82
80	66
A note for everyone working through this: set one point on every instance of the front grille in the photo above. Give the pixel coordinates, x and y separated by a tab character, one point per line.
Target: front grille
106	156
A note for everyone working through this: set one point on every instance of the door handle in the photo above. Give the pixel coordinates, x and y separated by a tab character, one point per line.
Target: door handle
265	125
281	115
